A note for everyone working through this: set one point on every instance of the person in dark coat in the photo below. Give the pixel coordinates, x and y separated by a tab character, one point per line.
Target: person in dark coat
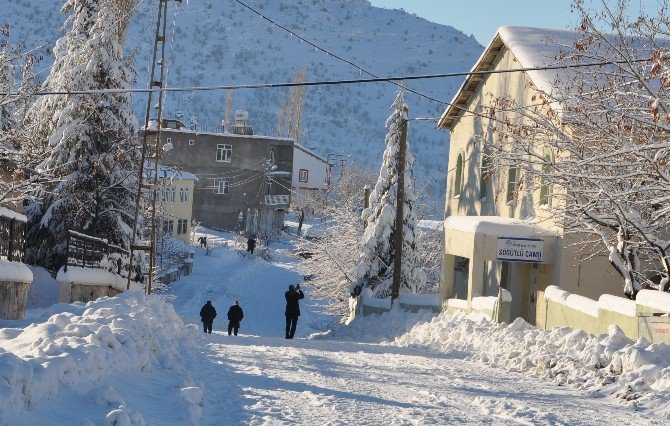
235	315
203	241
251	244
293	295
207	315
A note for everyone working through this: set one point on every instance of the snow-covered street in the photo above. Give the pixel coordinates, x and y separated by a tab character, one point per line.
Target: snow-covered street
262	380
125	359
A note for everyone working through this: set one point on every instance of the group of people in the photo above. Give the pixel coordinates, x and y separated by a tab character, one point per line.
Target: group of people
235	313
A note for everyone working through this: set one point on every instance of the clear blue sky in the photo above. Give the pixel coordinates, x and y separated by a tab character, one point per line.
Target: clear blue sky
483	17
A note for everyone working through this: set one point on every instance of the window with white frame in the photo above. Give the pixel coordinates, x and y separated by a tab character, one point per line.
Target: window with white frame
190	142
545	187
173	194
303	175
224	152
221	186
183	195
512	183
168	227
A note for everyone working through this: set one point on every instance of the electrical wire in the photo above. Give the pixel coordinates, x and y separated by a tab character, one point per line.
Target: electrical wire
321	82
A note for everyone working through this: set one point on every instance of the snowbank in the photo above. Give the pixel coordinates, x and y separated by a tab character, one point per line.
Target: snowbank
654	299
420	299
637	373
43	291
15	272
90	276
79	349
574	301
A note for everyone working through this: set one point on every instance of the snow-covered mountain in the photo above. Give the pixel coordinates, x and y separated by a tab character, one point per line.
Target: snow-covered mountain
220	42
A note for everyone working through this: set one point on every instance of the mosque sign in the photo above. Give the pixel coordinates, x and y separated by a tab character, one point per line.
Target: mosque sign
520	249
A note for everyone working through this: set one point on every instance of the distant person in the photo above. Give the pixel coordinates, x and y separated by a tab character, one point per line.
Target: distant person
251	244
293	295
235	315
207	315
203	241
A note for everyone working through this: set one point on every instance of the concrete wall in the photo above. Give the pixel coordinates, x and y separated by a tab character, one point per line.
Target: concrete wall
589	278
86	293
246	172
13	299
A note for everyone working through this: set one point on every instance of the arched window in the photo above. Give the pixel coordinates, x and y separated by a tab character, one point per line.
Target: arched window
545	187
458	183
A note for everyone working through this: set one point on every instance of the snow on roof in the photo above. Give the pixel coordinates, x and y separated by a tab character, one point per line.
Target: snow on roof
169	172
534	47
232	135
93	277
497	226
310	152
11	214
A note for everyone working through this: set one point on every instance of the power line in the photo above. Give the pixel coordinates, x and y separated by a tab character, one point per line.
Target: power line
322	82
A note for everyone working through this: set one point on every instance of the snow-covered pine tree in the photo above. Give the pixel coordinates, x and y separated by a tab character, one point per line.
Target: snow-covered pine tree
375	265
89	138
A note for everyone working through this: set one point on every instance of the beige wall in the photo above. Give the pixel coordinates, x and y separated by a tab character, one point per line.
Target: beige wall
589	278
174	211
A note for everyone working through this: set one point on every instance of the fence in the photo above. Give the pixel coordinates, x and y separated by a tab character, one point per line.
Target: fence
12	239
90	252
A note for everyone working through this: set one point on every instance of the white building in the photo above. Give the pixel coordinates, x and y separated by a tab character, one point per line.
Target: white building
311	172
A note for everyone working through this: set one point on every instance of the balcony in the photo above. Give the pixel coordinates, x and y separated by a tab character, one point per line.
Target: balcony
277	200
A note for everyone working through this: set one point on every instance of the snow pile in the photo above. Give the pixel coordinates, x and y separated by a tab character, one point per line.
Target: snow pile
10	214
15	272
43	291
377	327
76	351
610	364
91	276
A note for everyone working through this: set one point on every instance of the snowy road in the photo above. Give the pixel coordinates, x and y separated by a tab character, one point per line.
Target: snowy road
260	380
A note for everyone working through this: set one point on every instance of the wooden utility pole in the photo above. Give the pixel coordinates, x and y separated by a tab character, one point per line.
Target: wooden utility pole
399	213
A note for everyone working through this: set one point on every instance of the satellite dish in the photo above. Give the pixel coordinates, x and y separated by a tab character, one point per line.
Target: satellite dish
168	146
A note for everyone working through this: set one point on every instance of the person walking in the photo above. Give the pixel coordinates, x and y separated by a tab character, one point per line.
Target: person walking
293	295
207	315
251	244
203	241
235	315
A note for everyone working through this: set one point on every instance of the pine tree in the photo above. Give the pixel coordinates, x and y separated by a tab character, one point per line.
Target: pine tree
375	266
89	139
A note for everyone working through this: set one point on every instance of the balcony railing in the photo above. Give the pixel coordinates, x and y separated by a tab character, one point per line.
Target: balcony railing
12	238
90	252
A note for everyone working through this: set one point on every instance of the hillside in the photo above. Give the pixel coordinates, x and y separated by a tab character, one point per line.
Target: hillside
220	42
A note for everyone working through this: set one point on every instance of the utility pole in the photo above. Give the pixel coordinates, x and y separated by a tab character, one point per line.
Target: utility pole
399	213
151	147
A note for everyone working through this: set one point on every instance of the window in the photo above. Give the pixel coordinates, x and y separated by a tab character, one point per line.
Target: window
190	142
221	186
273	155
168	227
512	183
183	195
303	175
173	194
459	175
224	152
484	174
182	226
168	140
545	188
269	187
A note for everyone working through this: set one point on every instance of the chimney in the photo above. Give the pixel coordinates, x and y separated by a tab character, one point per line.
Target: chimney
240	126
